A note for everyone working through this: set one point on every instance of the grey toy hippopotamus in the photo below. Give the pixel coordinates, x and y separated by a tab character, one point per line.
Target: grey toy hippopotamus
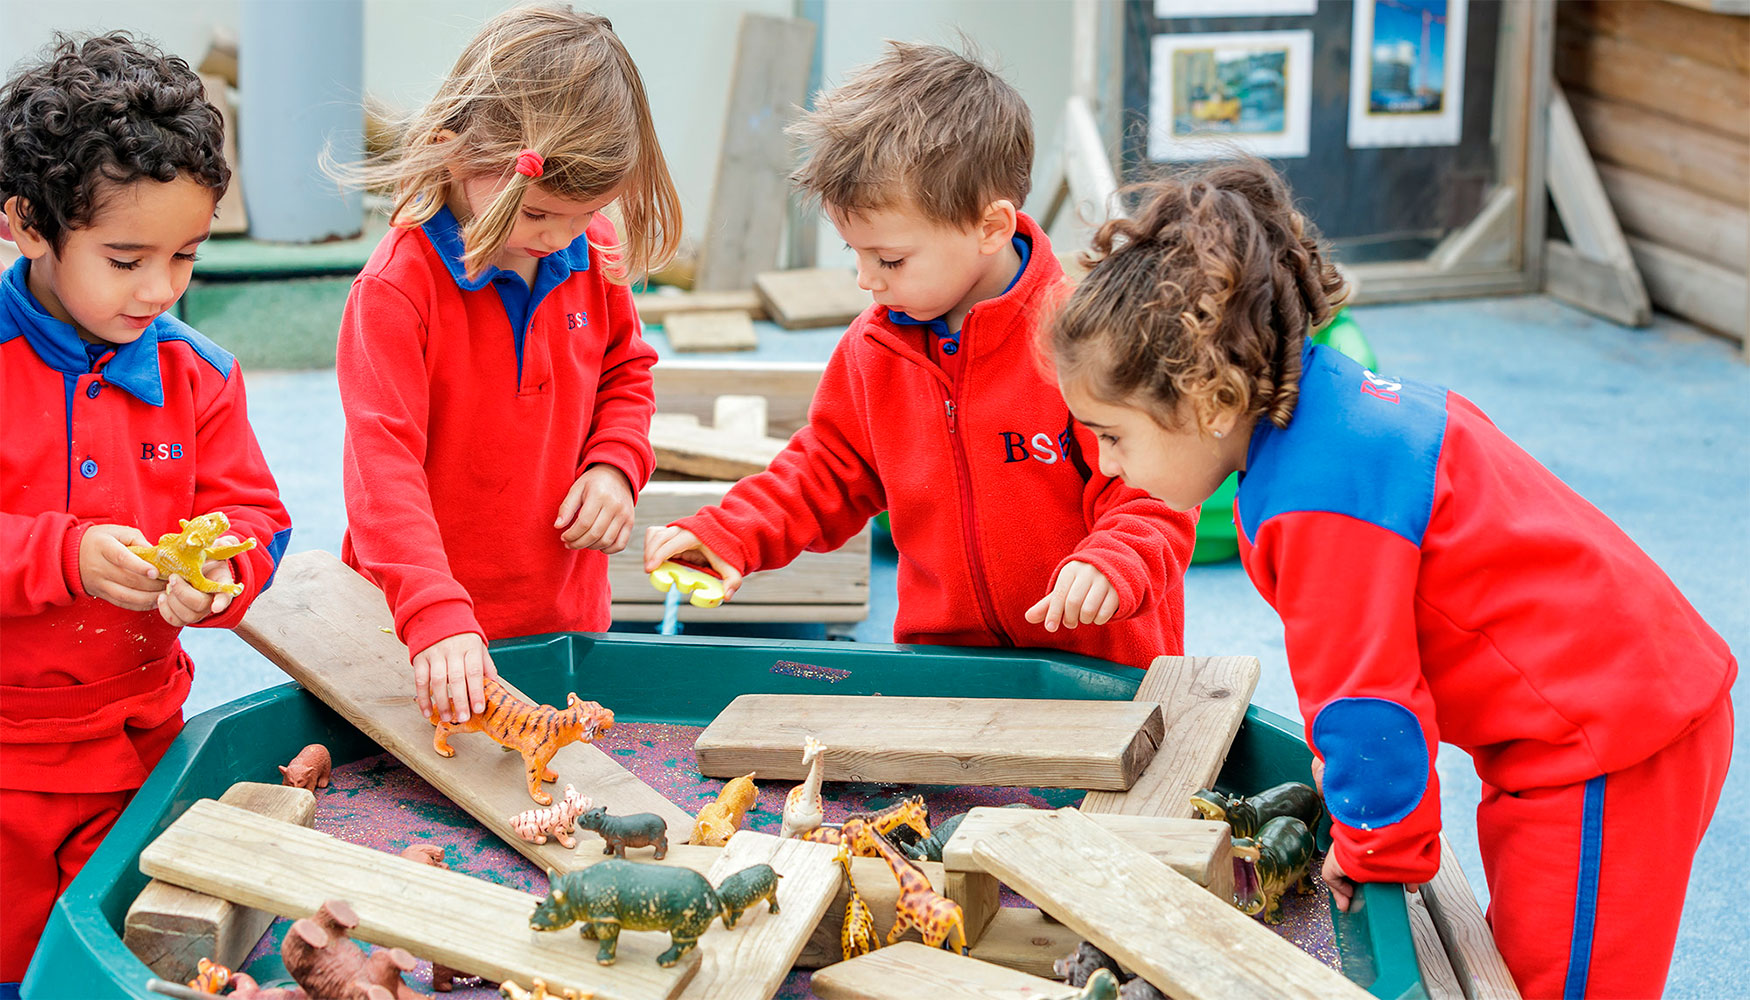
621	832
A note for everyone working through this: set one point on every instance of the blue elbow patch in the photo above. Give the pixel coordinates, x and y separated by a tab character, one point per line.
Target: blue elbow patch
1376	760
277	549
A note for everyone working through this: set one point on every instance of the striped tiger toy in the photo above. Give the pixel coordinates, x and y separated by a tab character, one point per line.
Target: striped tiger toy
535	731
533	825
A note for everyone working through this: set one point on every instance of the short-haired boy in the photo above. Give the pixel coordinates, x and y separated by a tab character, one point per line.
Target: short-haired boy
933	406
120	422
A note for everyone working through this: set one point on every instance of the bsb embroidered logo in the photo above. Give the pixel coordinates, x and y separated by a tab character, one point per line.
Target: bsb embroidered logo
1041	448
576	320
160	452
1379	385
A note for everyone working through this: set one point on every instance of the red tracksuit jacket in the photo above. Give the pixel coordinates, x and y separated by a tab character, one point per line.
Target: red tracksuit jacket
988	479
1436	583
471	408
145	434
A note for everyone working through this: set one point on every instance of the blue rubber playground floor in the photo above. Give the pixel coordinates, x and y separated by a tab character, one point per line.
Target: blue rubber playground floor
1652	426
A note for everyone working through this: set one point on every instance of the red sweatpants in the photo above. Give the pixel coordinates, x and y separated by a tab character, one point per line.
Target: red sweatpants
45	838
1586	882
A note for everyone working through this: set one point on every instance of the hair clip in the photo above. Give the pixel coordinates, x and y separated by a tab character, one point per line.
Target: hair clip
530	164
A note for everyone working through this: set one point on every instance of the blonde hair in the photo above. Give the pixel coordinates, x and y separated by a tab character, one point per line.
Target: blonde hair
558	82
1204	296
922	124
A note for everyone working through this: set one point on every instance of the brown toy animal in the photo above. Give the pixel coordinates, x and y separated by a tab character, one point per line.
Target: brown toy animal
719	820
322	957
443	978
244	987
936	917
535	731
309	769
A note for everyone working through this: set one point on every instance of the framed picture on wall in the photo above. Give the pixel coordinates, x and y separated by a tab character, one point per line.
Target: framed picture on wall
1233	8
1212	94
1407	73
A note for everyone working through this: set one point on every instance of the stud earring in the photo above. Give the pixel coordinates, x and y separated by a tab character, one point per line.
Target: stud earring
1216	433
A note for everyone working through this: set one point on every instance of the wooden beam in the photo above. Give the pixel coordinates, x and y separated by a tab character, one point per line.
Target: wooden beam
324	625
686	385
230	217
171	929
1437	975
909	970
1416	280
750	961
1694	289
654	308
472	925
711	331
979	896
1038	743
1579	195
1199	849
1487	240
743	415
1676	217
1598	288
1714	39
773	56
1150	918
1735	8
1470	947
812	297
1630	71
1087	166
1022	938
1203	699
685	446
1699	159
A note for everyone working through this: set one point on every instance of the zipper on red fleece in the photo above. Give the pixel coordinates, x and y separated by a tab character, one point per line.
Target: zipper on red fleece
968	534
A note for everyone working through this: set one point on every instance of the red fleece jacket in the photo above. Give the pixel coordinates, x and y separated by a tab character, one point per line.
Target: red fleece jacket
460	446
989	481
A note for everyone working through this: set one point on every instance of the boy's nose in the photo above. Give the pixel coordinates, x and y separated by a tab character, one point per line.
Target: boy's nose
867	280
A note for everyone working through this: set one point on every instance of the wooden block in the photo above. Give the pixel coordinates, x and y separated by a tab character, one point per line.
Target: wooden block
1700	159
1614	292
750	961
1437	975
909	970
1676	217
979	896
1680	31
1694	289
711	331
1150	918
749	200
681	446
1203	700
1024	939
654	308
1038	743
692	386
1470	946
171	929
744	415
879	889
1199	849
323	625
230	217
1633	72
811	297
472	925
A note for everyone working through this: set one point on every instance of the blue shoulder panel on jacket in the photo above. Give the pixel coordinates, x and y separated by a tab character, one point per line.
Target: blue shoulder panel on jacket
1376	761
1359	444
171	328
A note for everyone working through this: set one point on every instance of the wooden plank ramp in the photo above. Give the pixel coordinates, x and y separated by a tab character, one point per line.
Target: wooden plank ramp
909	970
171	928
1038	743
751	961
474	926
1470	946
1202	699
1150	918
812	297
323	624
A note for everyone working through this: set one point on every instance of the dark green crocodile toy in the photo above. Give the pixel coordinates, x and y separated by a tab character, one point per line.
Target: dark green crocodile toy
1249	815
1266	865
617	895
742	889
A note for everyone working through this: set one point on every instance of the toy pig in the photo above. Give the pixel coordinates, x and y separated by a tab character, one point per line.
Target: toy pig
621	832
1249	815
309	769
1265	866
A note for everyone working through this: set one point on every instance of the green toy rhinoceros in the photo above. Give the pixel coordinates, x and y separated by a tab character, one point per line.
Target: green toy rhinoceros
617	895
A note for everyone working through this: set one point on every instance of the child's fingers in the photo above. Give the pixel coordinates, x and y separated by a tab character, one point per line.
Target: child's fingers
474	664
123	559
592	533
490	669
663	544
422	685
1108	607
221	601
181	604
457	672
621	538
1054	603
440	688
569	506
1074	602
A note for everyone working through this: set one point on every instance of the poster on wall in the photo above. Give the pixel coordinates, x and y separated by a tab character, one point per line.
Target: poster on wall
1215	94
1233	8
1406	73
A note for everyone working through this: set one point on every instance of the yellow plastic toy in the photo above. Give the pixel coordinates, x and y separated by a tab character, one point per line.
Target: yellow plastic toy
186	552
703	590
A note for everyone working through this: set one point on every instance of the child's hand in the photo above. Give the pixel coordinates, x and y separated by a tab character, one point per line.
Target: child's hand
182	605
1082	596
681	545
108	571
1342	886
597	512
448	675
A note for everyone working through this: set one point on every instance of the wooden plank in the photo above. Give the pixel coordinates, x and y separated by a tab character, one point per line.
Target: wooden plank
910	969
744	415
1679	218
1198	849
1666	27
654	308
1150	918
1087	166
1437	975
812	297
823	583
230	217
1487	240
1470	946
684	446
711	331
171	928
773	57
1022	938
692	386
1700	159
1039	743
1735	8
750	961
1580	200
1203	699
323	624
1613	292
1694	289
979	896
1628	70
1415	280
472	925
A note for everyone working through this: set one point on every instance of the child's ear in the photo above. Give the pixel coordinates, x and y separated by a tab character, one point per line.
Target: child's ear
997	226
12	227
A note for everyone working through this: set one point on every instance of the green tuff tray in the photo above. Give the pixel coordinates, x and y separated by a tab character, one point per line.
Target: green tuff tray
678	679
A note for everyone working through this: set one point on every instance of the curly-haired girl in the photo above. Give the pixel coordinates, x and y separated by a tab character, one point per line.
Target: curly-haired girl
1434	582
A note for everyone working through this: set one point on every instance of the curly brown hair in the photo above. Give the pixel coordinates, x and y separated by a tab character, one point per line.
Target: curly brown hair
97	113
1205	295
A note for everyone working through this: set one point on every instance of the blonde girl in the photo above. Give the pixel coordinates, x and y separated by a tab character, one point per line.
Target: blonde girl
496	386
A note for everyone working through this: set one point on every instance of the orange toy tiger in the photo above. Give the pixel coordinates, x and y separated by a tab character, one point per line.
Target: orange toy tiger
535	731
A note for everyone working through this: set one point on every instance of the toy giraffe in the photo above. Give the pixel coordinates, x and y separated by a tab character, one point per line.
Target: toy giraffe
857	936
936	918
803	810
909	814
